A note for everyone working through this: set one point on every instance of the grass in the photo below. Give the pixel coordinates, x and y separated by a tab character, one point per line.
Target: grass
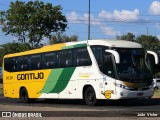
1	88
157	93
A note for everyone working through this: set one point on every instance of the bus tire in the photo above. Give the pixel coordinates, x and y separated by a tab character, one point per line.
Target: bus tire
90	96
24	96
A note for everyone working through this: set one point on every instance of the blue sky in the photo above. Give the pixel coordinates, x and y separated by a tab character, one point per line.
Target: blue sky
109	18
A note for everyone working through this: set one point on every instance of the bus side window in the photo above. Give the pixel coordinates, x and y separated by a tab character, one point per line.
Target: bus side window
82	57
65	58
22	63
35	62
49	60
10	64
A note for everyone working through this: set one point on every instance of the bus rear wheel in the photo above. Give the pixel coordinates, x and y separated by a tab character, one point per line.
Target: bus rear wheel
24	96
90	96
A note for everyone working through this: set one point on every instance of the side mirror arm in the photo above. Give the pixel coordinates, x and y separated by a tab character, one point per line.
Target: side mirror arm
155	56
115	54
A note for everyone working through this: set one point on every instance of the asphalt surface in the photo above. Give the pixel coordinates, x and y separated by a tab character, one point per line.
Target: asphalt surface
77	108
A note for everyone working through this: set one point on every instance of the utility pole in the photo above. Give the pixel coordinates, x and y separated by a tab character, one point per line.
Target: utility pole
89	21
147	31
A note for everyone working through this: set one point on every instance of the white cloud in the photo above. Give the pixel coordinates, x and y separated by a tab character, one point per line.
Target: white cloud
73	17
109	31
155	8
124	15
94	21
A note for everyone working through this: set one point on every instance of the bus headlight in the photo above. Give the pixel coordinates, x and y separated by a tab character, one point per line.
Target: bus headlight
123	86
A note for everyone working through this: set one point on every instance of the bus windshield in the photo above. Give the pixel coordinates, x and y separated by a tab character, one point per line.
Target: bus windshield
133	66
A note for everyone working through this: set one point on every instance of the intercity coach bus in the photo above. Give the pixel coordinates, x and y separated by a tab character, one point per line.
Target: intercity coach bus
90	70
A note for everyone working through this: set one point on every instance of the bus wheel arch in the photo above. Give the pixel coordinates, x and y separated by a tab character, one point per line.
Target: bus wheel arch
89	95
23	95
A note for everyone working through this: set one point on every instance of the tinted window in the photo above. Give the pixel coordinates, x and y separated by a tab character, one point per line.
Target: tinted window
65	58
22	63
49	60
10	64
97	51
82	57
158	80
108	66
35	62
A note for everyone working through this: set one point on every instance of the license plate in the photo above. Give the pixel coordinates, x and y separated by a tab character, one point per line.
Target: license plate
139	94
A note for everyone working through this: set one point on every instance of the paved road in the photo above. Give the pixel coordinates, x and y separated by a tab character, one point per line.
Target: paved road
77	108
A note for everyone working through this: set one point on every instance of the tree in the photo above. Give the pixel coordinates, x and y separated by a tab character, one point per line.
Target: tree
2	13
149	42
59	38
13	47
33	21
129	36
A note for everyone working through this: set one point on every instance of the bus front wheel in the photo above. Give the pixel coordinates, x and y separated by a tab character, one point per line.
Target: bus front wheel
24	95
90	96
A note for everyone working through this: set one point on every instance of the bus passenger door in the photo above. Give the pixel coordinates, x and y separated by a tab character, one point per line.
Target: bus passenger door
109	80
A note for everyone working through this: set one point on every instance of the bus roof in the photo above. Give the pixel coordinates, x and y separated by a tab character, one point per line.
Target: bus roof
109	43
116	43
60	46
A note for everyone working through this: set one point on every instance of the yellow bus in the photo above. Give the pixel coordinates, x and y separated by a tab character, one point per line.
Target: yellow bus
89	70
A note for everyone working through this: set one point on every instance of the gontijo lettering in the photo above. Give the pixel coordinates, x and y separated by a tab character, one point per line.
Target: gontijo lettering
30	76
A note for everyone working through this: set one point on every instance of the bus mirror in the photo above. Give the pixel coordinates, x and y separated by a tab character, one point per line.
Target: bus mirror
154	55
115	54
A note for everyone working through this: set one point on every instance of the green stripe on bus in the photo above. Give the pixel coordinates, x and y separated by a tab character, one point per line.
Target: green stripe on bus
80	45
67	47
63	80
52	80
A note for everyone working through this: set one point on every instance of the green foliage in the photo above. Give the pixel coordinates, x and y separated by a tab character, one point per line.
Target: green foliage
33	21
2	13
14	47
157	75
148	42
59	38
128	36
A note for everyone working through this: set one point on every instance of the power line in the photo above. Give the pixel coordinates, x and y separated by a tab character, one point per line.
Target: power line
81	11
118	21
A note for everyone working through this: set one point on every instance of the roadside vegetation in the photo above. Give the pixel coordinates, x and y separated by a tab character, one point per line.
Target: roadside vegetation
157	93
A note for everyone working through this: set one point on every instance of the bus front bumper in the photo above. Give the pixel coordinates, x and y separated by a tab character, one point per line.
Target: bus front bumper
128	94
